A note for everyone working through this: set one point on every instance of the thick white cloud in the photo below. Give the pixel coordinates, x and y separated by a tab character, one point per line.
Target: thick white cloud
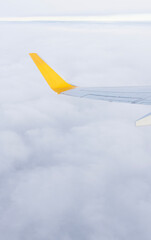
73	168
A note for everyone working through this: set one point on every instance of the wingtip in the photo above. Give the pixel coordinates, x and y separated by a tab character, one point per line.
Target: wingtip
33	55
30	54
53	79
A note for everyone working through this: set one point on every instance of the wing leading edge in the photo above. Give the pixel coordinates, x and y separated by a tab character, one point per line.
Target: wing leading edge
133	95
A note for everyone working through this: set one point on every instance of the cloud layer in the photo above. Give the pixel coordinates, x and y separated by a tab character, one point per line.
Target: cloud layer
73	168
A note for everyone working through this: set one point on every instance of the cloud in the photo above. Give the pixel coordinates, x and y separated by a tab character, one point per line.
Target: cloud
73	168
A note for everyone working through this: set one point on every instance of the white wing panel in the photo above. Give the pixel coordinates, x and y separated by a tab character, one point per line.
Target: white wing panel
144	121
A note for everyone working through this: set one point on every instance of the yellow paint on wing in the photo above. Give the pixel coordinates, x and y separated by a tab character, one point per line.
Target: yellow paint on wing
53	79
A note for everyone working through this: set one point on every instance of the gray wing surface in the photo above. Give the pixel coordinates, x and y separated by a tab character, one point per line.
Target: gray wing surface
134	95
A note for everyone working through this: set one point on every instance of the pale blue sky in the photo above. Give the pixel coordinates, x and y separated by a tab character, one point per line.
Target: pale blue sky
71	7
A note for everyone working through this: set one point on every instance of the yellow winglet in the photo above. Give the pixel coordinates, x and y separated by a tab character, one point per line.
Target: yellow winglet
53	79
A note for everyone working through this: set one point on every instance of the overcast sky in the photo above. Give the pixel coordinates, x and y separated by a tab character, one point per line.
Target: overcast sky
73	168
71	7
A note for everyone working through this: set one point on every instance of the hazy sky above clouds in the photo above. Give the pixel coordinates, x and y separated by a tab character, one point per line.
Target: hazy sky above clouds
9	8
73	168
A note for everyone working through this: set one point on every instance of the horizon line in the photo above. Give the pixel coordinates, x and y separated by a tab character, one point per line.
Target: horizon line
89	18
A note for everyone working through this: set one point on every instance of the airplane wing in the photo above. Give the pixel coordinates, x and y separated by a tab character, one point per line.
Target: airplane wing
133	95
